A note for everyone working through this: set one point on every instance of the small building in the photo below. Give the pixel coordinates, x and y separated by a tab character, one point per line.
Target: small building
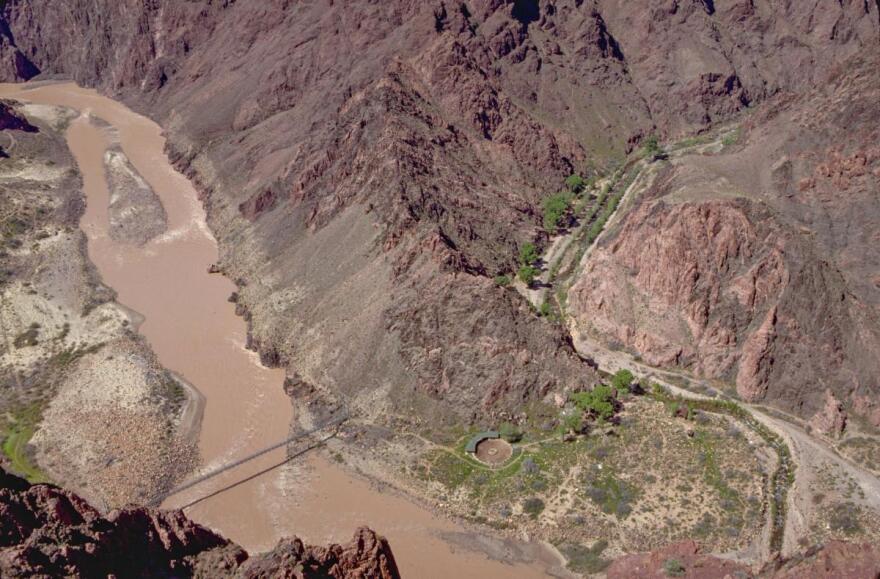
478	438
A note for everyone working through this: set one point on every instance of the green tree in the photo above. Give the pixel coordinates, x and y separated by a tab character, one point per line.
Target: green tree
573	422
652	148
622	380
533	506
528	273
528	255
555	207
575	183
502	280
545	309
597	402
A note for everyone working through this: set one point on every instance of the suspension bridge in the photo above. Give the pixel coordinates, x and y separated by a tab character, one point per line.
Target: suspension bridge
159	498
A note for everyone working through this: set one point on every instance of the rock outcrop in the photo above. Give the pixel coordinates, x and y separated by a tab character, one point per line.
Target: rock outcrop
834	559
48	532
831	419
369	168
685	559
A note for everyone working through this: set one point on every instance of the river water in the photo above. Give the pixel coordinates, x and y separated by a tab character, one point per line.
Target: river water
193	329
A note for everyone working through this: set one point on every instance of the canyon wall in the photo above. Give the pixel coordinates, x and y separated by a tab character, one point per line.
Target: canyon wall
369	167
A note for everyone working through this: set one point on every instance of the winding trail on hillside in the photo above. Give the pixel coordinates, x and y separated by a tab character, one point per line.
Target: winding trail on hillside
191	325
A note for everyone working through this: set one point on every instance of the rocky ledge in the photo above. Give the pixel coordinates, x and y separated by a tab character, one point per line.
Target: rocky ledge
686	559
46	531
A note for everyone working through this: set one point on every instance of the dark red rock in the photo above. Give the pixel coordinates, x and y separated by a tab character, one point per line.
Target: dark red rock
366	556
834	560
49	532
682	559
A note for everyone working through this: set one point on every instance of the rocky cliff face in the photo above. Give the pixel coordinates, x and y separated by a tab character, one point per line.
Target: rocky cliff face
49	532
835	559
757	265
368	168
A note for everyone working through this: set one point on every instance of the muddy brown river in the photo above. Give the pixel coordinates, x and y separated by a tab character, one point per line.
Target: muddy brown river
193	329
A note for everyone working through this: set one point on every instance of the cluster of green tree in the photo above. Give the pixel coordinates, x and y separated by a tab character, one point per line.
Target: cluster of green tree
555	208
622	380
558	205
528	257
600	403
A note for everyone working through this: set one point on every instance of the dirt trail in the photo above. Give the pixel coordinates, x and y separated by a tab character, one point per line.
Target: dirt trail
193	329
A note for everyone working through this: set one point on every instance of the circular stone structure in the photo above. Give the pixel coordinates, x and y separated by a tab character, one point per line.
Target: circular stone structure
494	451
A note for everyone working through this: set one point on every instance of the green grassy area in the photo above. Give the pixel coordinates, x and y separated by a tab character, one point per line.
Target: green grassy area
16	431
711	471
580	490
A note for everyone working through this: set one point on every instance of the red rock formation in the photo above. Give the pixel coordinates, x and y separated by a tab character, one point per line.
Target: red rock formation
677	560
835	560
831	419
366	556
754	365
48	532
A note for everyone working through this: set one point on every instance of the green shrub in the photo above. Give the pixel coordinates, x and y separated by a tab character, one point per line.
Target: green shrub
586	560
575	183
652	149
502	280
545	309
611	494
528	273
555	207
27	338
528	255
673	568
730	138
597	402
571	423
